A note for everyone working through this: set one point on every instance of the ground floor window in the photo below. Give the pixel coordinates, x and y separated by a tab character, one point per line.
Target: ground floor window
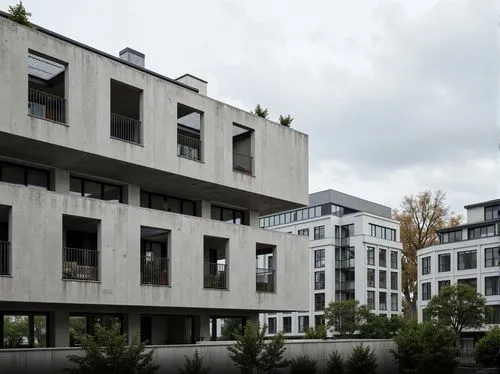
81	324
23	330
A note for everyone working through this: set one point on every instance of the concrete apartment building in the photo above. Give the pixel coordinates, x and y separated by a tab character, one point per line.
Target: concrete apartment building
129	197
354	253
468	253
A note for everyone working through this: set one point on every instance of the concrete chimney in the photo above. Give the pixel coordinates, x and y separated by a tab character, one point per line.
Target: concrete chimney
195	82
133	56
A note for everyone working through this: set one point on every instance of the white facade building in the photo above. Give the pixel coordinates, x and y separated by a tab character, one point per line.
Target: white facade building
469	253
128	196
354	252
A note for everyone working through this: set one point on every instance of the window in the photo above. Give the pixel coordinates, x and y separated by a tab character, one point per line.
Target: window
493	314
24	175
189	132
481	232
303	214
382	279
426	265
242	151
227	215
319	232
394	302
271	325
319	301
95	190
394	260
319	280
287	324
370	300
492	285
382	258
303	232
319	320
491	212
469	281
370	277
370	256
125	112
442	284
303	323
444	262
383	232
492	257
426	291
382	301
167	203
319	258
347	231
394	280
451	236
467	260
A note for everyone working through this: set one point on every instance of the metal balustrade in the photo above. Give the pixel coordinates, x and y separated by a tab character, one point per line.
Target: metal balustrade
188	147
47	106
125	128
4	258
81	264
265	280
242	163
154	270
215	276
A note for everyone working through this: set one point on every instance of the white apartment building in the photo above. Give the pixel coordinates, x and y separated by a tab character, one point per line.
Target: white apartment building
130	197
468	253
354	253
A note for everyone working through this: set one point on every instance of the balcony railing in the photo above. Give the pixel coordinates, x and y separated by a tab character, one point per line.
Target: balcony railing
81	264
215	275
47	106
4	258
265	280
242	163
345	264
125	128
188	147
154	270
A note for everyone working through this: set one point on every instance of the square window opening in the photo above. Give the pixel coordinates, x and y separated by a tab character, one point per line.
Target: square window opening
189	132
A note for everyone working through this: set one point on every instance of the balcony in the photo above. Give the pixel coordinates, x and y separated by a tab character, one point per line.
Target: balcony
46	106
80	264
125	128
189	147
215	276
242	163
4	258
265	280
154	271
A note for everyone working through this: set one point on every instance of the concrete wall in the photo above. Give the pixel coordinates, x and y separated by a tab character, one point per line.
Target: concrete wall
280	154
37	243
34	361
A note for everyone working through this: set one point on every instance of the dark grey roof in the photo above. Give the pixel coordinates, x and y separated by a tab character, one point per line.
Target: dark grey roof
349	201
484	203
469	225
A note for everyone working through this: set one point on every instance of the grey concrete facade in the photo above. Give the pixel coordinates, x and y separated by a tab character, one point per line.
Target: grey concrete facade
79	144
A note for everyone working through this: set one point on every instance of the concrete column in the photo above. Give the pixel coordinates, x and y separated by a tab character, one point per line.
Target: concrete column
60	180
60	328
133	326
252	218
132	195
203	209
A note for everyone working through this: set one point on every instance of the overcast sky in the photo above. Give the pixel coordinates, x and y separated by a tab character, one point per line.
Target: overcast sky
396	96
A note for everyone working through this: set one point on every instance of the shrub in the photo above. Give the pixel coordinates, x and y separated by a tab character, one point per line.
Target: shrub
19	14
107	352
316	333
362	361
335	363
428	348
487	350
194	365
303	365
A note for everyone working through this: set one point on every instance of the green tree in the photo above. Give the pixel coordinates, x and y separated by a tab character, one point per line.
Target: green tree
107	352
458	306
286	120
303	365
231	326
19	14
344	317
420	216
428	348
375	326
318	332
362	361
487	351
250	352
194	365
14	328
335	363
261	112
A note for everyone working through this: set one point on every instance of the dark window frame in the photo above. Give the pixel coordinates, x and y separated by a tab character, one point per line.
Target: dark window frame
370	300
492	285
394	261
319	302
272	327
102	184
303	324
26	169
394	283
370	278
319	284
370	255
426	291
287	327
303	232
443	283
491	255
444	266
382	232
319	257
491	209
426	265
319	232
473	260
234	212
384	251
165	198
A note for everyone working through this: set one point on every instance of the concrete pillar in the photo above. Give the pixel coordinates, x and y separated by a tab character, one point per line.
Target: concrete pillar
60	328
133	327
60	180
252	218
203	209
132	195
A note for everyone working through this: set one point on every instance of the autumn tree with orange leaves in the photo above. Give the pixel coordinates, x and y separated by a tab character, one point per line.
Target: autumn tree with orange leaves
420	216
